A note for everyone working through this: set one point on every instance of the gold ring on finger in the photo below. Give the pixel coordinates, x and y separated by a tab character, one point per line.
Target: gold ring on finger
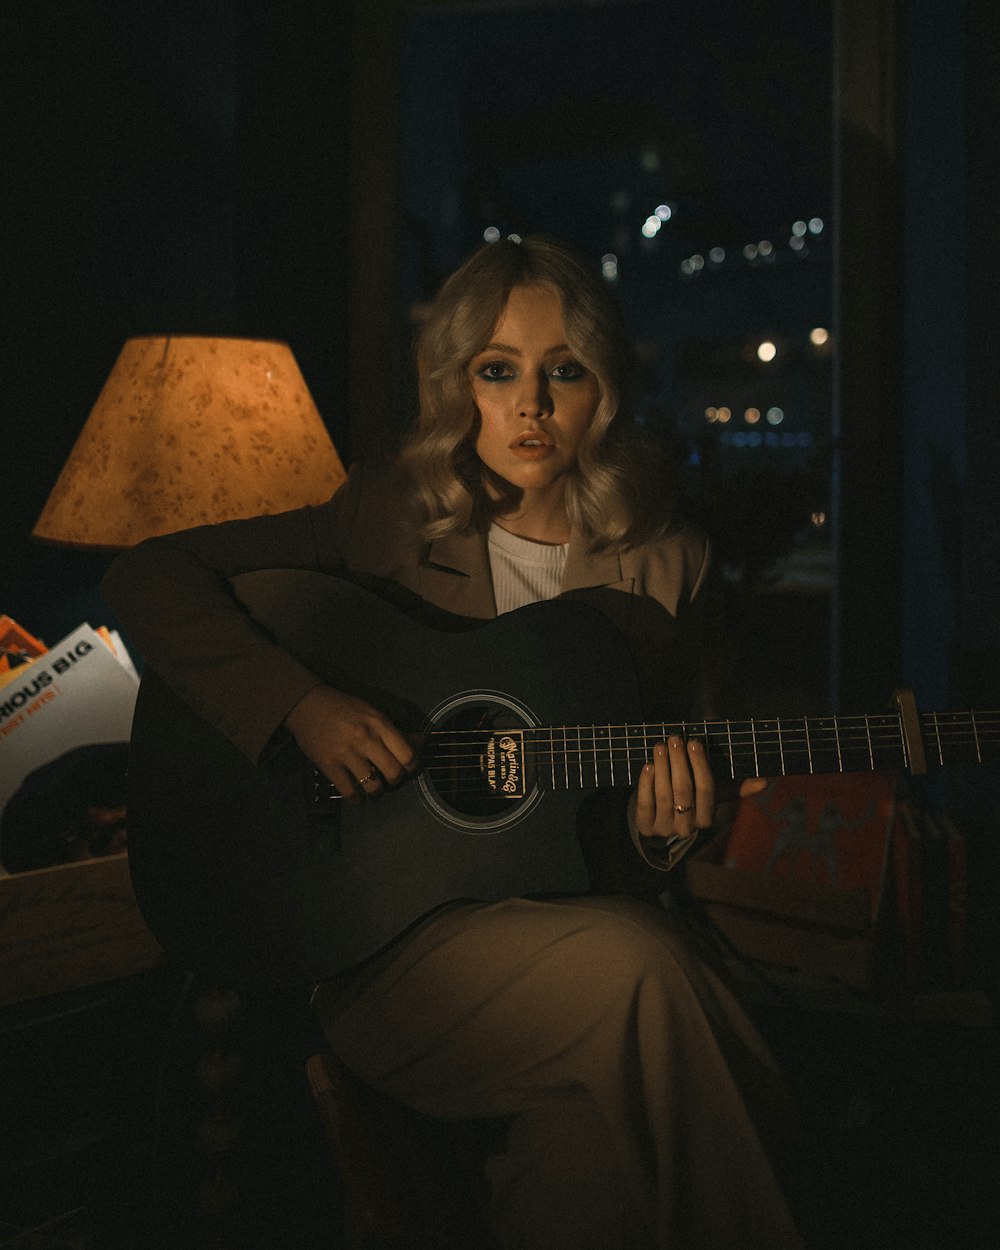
679	811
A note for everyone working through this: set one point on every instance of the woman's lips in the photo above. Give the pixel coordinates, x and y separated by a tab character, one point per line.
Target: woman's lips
531	447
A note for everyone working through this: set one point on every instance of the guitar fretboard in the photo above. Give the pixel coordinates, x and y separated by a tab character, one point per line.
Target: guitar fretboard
567	757
582	756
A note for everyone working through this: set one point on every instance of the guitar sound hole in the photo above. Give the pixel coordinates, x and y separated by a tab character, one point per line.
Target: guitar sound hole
477	766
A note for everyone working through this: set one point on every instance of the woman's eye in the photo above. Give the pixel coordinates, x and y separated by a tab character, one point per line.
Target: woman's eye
495	371
568	371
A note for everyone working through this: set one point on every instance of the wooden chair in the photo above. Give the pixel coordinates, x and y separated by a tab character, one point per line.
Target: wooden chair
409	1182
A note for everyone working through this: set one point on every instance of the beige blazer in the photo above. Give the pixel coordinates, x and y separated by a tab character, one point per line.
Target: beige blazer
172	596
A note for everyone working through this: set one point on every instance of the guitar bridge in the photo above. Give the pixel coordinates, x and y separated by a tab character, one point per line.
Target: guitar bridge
502	764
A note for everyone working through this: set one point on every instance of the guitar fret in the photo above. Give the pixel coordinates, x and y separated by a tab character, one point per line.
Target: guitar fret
826	744
975	735
836	735
868	735
704	740
781	747
729	737
753	732
937	732
809	749
611	756
794	758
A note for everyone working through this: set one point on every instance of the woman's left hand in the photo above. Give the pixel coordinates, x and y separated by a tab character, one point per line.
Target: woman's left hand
676	792
676	796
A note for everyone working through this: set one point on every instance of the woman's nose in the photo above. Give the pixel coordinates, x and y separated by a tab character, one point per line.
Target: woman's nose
534	397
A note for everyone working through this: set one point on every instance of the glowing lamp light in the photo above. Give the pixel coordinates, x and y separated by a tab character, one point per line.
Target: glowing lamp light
186	431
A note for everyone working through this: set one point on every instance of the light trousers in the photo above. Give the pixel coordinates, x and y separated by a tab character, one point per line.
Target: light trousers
643	1110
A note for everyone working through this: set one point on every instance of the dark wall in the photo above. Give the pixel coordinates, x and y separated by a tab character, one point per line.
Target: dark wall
951	439
168	168
979	654
951	326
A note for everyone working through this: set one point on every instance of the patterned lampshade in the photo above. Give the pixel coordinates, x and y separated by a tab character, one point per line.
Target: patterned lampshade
191	430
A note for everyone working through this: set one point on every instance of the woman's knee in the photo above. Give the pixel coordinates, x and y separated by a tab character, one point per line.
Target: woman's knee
627	939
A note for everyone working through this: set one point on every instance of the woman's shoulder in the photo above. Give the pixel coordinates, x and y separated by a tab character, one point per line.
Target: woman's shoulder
672	562
369	522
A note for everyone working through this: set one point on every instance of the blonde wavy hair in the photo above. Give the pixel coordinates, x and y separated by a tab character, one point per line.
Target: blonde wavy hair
608	496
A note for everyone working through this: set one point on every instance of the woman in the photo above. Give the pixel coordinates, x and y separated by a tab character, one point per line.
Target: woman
640	1104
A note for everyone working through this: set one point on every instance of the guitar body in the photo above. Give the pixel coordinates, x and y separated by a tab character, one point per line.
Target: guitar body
237	868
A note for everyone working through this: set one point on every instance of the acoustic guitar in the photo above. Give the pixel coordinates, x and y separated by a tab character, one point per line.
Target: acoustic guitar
240	867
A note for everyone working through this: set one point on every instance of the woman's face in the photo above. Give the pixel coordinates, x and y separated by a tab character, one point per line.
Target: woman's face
535	399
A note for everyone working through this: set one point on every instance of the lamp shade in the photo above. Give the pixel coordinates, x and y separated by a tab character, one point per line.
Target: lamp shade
191	430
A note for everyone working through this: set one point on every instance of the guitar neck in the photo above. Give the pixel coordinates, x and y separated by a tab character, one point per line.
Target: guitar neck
589	756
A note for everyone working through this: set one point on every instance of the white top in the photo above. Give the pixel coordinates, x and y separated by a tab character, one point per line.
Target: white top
524	571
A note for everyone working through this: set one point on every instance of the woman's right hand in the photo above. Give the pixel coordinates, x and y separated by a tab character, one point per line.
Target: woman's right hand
350	742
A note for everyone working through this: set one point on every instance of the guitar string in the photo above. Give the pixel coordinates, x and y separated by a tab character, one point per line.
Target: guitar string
583	747
788	734
571	740
740	762
765	725
589	771
597	750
